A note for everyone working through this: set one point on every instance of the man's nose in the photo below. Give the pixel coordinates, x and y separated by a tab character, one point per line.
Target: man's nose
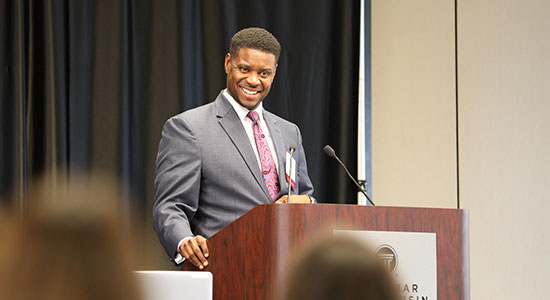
253	79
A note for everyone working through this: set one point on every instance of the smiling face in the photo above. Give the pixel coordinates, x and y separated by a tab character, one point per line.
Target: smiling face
250	75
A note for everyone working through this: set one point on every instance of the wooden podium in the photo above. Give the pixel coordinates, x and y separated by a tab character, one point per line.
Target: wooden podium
248	257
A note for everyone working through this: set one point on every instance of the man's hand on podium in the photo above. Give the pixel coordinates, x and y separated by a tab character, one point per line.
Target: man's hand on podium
294	199
195	250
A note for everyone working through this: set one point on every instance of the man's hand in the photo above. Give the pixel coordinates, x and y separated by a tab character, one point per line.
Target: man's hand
294	199
196	251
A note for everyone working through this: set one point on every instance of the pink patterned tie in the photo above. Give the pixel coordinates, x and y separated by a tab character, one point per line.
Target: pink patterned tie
266	159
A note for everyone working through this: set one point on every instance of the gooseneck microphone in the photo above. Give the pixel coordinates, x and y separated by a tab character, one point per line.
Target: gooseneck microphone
292	149
330	152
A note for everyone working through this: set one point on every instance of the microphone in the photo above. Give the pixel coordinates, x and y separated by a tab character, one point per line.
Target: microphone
330	152
291	150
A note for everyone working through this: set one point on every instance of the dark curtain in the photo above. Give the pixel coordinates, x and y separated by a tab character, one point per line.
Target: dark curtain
87	85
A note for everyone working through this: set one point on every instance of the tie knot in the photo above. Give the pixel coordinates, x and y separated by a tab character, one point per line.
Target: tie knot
252	115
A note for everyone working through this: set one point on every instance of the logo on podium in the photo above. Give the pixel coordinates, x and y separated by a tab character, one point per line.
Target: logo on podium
388	256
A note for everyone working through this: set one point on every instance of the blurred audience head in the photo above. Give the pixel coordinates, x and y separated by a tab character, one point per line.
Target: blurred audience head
69	244
340	268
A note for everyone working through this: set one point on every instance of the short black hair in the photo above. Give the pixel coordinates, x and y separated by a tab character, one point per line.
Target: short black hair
255	38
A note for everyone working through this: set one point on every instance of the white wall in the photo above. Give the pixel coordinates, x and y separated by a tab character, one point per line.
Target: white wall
504	102
504	134
413	103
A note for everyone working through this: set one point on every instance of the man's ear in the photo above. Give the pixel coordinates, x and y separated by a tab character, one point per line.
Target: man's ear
227	63
275	71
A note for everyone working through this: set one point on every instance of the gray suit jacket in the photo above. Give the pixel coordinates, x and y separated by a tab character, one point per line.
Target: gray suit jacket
207	174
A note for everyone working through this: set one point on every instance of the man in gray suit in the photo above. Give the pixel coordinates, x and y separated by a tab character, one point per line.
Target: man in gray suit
219	160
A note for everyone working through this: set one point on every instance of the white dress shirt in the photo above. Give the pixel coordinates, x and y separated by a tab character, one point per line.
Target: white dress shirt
242	112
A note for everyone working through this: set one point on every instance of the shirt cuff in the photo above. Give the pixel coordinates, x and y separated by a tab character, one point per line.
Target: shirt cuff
311	198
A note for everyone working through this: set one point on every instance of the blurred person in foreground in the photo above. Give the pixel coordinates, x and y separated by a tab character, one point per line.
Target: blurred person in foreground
69	245
338	268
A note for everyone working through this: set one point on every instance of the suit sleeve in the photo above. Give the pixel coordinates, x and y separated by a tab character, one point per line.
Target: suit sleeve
177	184
305	187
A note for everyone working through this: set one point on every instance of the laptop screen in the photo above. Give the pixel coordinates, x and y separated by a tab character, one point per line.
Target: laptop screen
175	285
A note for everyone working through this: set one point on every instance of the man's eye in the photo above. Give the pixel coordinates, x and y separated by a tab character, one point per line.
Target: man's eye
244	70
265	74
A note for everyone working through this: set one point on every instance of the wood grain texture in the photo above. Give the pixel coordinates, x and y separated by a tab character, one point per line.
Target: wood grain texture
248	257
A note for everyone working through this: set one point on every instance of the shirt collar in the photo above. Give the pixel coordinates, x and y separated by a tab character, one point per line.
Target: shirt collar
241	110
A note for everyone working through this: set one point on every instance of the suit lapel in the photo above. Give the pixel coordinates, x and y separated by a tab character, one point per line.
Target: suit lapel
280	149
229	121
